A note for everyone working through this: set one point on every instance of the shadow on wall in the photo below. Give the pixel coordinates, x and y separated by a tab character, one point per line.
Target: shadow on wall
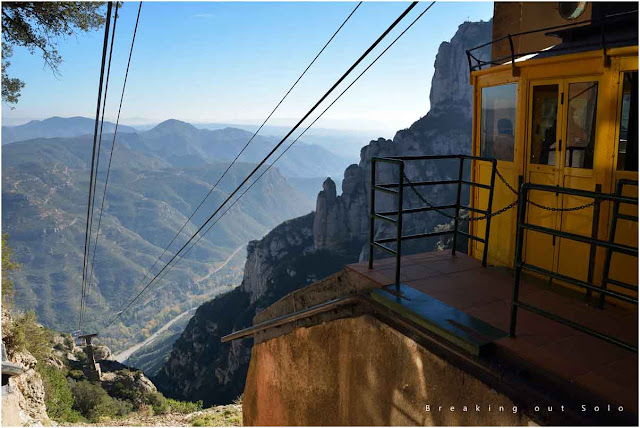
358	371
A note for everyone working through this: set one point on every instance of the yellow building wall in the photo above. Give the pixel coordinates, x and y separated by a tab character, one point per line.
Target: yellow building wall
573	255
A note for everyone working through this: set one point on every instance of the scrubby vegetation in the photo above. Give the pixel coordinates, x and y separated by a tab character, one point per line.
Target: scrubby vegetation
221	416
69	396
8	265
59	397
162	405
94	403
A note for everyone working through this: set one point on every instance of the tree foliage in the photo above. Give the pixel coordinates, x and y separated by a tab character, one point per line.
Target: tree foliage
38	26
8	264
58	395
93	402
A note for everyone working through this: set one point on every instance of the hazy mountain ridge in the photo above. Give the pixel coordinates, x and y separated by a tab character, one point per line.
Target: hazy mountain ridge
57	127
180	144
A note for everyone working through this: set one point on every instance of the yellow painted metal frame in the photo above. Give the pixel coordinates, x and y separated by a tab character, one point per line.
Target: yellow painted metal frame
563	69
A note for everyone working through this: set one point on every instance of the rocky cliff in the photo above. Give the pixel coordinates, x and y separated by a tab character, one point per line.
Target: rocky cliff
200	367
309	248
446	129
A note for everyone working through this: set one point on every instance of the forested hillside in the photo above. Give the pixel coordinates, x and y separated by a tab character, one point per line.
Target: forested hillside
152	191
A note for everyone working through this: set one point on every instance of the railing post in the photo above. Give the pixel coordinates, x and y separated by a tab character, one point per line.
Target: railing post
517	263
514	70
594	234
457	215
612	239
487	230
372	211
399	225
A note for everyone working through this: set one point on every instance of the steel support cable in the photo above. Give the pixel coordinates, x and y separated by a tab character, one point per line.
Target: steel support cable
299	136
95	180
263	161
243	149
281	154
93	155
113	142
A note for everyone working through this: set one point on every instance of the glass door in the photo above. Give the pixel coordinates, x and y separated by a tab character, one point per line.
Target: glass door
542	167
580	107
561	152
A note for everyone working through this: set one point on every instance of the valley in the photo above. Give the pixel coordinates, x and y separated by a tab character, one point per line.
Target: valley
157	178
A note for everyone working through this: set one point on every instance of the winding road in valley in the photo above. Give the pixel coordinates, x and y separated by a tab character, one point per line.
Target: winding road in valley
122	356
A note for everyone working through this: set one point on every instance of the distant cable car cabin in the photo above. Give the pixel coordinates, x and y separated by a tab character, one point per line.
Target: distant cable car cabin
558	106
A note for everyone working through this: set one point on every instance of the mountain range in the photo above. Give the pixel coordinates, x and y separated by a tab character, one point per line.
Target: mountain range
57	127
158	177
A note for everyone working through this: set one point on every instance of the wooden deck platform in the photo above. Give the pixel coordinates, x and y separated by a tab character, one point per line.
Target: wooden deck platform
541	346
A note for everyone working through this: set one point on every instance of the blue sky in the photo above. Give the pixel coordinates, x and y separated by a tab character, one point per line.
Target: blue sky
231	62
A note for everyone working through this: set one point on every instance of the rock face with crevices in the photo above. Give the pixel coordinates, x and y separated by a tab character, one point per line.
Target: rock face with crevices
29	390
290	238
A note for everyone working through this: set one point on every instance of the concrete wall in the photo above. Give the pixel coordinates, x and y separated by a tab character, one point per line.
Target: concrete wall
359	371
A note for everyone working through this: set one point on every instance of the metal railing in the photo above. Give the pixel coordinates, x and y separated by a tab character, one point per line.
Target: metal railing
606	279
588	285
602	43
397	189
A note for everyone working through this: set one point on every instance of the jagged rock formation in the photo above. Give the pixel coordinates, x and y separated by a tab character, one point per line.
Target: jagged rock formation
341	216
309	248
446	129
290	238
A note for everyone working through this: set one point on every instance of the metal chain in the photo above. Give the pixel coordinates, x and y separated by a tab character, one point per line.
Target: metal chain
500	211
422	198
578	208
514	191
495	213
460	218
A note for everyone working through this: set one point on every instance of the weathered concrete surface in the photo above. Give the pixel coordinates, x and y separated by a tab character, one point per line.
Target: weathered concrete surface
11	410
359	371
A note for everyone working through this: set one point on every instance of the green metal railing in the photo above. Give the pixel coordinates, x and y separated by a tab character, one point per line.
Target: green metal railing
397	189
588	285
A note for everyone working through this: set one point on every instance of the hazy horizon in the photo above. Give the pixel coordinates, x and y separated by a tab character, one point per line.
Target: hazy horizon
209	62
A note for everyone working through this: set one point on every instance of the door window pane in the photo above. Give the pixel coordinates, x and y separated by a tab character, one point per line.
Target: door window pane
581	124
628	143
498	119
544	120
